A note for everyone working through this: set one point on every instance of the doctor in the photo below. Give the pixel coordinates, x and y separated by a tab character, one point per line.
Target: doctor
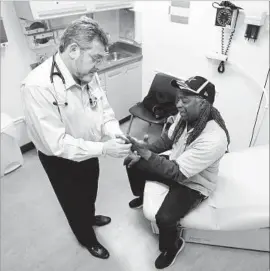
68	117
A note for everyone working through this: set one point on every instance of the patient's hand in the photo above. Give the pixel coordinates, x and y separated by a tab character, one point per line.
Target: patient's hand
139	143
141	146
131	159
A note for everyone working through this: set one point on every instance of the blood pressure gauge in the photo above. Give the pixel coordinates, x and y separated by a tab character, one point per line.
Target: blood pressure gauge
224	17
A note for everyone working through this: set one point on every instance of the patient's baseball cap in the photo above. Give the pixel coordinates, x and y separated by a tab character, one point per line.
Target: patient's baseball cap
198	86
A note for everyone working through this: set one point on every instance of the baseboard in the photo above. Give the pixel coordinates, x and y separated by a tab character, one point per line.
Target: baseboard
27	147
125	119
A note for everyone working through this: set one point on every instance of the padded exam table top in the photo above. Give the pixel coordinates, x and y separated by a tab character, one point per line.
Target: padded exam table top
241	199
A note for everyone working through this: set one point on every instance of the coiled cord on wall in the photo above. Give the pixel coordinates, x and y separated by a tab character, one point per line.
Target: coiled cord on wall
229	41
259	107
221	67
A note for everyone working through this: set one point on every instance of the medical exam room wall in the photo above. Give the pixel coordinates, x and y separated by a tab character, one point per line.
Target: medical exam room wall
17	57
15	64
180	49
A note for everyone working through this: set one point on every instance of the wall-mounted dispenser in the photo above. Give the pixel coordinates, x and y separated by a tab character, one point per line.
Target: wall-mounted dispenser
179	11
254	22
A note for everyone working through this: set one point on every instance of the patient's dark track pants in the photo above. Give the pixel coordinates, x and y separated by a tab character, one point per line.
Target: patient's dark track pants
75	185
179	201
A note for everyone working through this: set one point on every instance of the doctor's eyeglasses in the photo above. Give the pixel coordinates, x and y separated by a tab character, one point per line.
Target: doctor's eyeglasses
97	59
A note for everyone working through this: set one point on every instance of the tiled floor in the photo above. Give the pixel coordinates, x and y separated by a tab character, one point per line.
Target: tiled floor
35	235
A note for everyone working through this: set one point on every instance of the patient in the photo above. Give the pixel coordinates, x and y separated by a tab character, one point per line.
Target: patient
198	139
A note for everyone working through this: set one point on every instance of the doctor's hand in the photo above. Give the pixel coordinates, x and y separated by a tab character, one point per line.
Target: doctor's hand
116	148
140	146
131	159
123	138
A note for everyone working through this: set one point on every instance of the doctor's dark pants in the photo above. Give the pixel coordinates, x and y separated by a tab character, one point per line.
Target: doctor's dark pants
179	201
75	185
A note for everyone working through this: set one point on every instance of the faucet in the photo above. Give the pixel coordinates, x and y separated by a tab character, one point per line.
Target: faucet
112	45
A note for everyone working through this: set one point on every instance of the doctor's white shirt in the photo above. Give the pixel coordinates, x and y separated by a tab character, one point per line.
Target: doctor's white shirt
77	131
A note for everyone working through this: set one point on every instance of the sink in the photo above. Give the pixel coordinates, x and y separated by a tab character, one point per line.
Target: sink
115	56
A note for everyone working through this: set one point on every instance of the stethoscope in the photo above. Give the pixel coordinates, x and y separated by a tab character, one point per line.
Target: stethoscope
92	98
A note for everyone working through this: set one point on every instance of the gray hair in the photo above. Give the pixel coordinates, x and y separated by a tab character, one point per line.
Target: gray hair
82	32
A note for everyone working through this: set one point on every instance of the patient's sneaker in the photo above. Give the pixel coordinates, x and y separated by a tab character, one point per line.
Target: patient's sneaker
167	258
136	203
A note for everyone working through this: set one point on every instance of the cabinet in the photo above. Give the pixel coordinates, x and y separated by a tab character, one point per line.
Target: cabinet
102	81
124	88
95	6
115	89
133	80
38	10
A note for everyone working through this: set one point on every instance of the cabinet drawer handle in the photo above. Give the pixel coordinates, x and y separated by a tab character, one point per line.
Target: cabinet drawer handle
114	73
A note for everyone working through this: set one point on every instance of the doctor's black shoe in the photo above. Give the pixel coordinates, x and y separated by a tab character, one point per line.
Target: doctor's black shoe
136	203
101	220
167	258
99	251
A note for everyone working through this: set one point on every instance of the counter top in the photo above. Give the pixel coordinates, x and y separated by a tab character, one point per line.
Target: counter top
133	53
107	66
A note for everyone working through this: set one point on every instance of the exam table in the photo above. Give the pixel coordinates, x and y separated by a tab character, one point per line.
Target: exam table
236	214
